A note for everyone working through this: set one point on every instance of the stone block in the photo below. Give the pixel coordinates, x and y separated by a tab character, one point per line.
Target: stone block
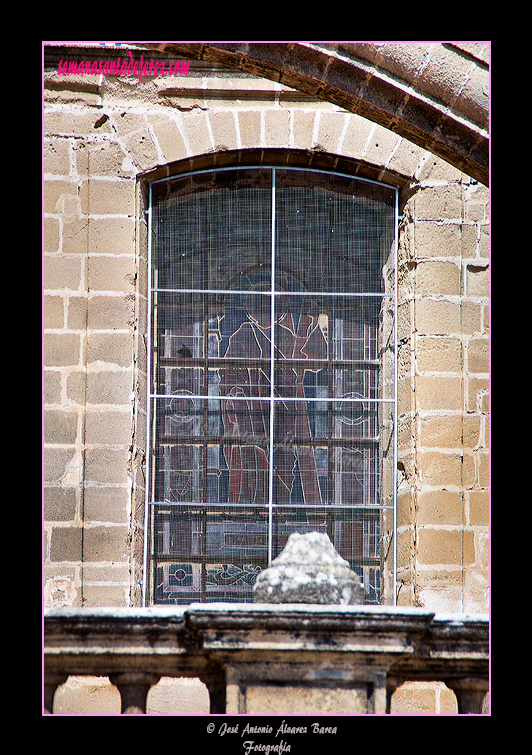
447	577
51	235
53	312
330	130
470	471
439	546
56	157
441	431
111	236
308	570
60	465
112	273
441	278
68	122
223	131
440	469
404	508
439	354
477	391
66	544
106	465
445	72
52	386
479	507
445	598
271	700
381	146
484	241
437	317
141	150
106	197
104	504
60	274
303	128
405	396
440	507
108	387
471	317
471	431
478	356
61	349
435	170
433	393
105	595
76	318
60	590
55	192
127	122
110	349
249	124
476	211
60	426
74	237
477	280
469	549
469	240
196	130
276	128
75	387
404	360
107	543
104	159
108	312
170	140
108	427
484	470
439	203
406	158
438	240
60	504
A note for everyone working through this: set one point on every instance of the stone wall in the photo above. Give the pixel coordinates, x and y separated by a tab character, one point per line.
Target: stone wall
443	395
104	137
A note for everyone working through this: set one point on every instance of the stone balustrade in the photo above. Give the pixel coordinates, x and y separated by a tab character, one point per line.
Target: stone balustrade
267	659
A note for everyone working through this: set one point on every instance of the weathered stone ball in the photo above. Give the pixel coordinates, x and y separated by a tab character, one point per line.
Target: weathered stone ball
309	570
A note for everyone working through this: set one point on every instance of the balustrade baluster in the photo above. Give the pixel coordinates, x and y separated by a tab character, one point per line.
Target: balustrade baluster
51	683
133	687
469	693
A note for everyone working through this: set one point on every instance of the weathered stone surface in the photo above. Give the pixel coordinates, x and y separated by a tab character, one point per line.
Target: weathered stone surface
309	570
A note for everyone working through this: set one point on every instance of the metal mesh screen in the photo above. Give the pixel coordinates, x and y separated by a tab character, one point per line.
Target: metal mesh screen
271	359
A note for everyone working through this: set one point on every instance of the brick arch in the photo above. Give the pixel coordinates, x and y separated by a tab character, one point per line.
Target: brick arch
433	94
285	157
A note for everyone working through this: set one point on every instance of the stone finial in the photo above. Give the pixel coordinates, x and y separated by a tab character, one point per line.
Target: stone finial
309	570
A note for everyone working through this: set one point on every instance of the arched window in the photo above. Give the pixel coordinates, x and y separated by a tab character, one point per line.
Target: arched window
271	377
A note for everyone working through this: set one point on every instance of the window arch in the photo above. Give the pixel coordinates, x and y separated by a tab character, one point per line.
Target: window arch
272	311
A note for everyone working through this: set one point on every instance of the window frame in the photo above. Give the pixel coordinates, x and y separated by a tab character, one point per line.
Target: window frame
152	395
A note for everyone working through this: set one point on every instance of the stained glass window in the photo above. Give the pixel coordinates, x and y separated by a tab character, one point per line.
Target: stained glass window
271	376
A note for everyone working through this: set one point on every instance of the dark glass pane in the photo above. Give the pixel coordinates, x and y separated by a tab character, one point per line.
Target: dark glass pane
208	554
212	231
211	450
333	233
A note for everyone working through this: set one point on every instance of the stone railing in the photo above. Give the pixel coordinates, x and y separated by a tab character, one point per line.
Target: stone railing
268	659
